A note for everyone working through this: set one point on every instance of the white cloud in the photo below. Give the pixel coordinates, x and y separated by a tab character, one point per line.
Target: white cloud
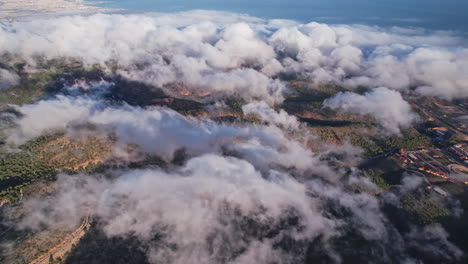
232	172
266	113
196	207
162	131
387	107
49	116
8	79
225	53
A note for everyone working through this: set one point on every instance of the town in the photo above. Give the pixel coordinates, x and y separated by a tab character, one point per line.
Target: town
445	123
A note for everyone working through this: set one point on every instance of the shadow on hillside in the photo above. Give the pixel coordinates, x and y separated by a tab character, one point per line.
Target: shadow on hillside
330	123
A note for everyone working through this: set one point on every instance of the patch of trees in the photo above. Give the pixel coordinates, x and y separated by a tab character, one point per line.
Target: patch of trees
377	146
97	247
235	104
32	86
18	170
425	206
377	179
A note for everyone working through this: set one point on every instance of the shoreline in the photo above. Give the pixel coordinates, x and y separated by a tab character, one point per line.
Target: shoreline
13	10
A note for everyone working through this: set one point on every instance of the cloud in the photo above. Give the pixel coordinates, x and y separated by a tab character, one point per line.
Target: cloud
386	106
48	117
201	208
8	79
218	209
226	54
410	183
196	77
236	181
157	130
162	131
245	193
196	207
266	113
214	208
441	247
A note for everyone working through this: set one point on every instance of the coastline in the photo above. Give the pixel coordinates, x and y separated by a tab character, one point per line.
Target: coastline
12	10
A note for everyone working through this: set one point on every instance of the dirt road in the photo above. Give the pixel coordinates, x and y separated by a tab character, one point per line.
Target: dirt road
66	245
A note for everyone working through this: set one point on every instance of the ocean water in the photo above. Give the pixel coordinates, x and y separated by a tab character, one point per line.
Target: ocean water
429	14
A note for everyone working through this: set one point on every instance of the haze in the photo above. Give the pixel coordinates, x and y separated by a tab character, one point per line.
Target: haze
432	14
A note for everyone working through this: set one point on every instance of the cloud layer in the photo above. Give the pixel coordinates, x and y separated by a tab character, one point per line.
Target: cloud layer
244	192
194	207
222	53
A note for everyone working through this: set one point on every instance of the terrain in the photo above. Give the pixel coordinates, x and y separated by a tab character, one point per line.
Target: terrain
432	149
232	140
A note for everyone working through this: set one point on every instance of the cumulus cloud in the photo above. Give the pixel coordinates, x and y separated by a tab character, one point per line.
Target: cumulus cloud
222	53
266	182
266	113
215	208
245	193
197	78
410	183
8	79
388	107
270	180
163	131
202	208
48	117
218	209
158	130
196	208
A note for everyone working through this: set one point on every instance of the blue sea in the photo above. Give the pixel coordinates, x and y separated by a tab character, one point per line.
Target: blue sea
429	14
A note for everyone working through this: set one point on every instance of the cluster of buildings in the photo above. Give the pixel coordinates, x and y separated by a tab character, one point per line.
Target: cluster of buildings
430	161
436	173
447	161
459	152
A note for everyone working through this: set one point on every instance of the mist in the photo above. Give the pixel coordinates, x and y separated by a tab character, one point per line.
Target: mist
224	54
